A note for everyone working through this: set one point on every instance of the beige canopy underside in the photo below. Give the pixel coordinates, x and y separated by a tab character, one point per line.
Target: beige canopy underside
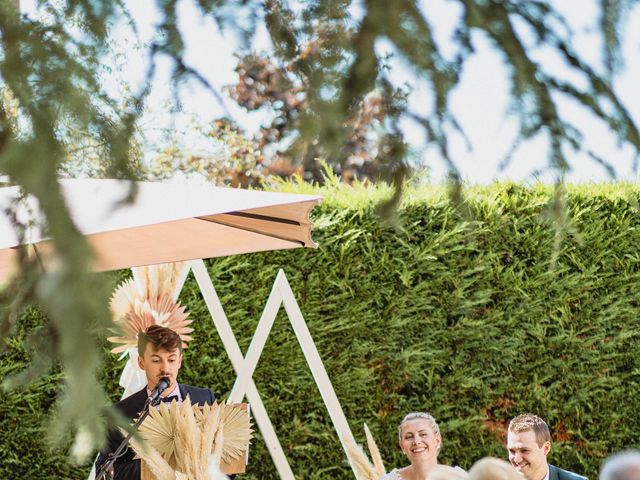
166	223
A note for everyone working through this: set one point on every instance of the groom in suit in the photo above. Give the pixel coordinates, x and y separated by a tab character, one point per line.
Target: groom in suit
160	355
529	443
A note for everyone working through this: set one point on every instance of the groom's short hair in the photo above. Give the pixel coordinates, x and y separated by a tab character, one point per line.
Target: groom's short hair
529	421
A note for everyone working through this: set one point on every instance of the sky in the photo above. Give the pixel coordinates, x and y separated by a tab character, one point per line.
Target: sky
480	103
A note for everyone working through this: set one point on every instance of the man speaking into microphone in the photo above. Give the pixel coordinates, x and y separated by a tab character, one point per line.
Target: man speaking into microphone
160	356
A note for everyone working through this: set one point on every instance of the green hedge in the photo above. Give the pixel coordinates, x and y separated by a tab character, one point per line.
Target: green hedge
470	316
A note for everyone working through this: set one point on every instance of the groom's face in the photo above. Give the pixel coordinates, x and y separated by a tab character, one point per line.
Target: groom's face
158	363
526	455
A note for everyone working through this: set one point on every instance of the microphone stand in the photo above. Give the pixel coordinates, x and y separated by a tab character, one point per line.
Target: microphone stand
113	456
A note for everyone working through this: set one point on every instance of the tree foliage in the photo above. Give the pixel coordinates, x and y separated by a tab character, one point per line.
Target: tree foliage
227	157
327	83
332	95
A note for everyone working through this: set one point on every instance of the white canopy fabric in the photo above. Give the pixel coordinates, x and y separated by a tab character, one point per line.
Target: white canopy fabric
164	223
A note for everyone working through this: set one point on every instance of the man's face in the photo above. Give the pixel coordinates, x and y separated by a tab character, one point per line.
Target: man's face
160	363
529	458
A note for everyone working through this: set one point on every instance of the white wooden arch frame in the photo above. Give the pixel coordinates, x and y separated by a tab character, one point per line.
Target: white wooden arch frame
245	366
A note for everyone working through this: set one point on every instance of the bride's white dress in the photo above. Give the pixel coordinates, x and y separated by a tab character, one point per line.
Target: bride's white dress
392	475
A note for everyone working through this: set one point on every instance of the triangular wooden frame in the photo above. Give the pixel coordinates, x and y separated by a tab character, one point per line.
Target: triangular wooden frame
244	366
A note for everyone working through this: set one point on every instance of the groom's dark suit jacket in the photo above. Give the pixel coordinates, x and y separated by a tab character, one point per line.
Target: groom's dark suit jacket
125	467
556	473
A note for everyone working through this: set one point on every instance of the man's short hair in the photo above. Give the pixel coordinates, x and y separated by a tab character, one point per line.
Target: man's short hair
162	338
529	421
623	465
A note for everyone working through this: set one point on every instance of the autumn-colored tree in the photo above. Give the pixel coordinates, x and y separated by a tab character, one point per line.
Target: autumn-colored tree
332	98
263	85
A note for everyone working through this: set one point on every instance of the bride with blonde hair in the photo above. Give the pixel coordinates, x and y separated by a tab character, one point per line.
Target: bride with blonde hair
419	439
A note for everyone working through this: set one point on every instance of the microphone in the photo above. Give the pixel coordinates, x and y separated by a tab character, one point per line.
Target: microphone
163	384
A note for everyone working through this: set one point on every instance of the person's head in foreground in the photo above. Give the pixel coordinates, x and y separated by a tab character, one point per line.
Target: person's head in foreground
160	355
419	439
490	468
445	472
529	443
623	465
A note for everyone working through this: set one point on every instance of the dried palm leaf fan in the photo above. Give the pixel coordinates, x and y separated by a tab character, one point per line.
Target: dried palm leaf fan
192	440
363	468
237	433
145	300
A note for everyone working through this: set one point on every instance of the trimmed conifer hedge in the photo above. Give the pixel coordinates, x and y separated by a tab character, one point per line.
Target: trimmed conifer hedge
469	313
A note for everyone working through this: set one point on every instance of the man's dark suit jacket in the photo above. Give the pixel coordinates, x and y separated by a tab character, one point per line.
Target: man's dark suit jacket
125	467
556	473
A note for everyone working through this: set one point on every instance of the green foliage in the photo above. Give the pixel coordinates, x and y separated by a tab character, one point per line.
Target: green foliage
49	80
471	319
25	412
